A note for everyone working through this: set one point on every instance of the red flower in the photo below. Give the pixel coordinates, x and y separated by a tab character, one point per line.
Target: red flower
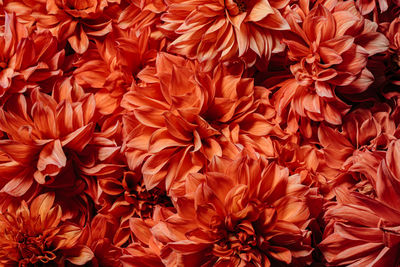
70	20
27	57
109	67
176	116
35	234
223	30
45	136
362	230
331	48
242	212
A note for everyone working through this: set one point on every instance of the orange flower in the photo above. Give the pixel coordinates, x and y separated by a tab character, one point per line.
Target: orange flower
128	197
363	129
109	67
145	250
330	49
98	236
176	115
241	213
70	20
27	57
36	235
141	14
45	136
223	30
362	230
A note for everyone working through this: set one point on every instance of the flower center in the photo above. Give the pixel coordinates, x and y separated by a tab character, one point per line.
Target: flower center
241	4
238	243
145	201
33	249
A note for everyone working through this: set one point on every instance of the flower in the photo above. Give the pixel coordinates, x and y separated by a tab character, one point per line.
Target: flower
224	30
175	116
363	230
28	58
70	20
99	237
145	249
241	212
35	234
110	67
330	49
45	135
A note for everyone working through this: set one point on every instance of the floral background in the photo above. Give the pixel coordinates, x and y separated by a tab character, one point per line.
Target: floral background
199	133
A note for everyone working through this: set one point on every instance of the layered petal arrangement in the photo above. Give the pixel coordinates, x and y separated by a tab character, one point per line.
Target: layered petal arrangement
199	133
222	30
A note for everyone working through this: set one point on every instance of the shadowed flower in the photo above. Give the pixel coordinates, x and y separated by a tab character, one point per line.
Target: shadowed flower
240	213
362	230
35	235
222	30
330	49
128	197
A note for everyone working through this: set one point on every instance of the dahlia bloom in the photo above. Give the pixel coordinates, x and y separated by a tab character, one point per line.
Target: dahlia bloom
34	235
364	230
176	114
329	49
392	63
363	129
224	30
98	236
109	68
75	21
145	250
45	137
128	198
141	14
28	57
242	212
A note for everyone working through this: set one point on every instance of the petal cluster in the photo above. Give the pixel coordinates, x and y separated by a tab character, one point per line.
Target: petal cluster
199	133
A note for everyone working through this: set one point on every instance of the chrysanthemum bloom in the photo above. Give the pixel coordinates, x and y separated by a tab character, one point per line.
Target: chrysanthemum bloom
109	67
45	138
364	231
35	235
75	21
175	117
330	48
222	30
241	213
27	57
